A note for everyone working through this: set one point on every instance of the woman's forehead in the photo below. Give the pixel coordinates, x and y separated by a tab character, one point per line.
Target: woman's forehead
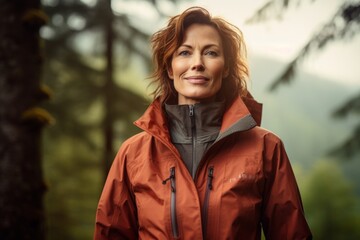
203	33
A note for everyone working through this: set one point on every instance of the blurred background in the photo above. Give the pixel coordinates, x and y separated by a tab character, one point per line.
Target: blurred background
95	55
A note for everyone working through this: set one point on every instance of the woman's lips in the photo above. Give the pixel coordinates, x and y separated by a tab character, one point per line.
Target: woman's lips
197	79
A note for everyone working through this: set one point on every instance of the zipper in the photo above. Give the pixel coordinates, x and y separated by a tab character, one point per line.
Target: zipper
193	135
174	224
209	187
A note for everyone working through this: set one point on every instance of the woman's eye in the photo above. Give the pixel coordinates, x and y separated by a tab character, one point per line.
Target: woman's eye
212	53
184	53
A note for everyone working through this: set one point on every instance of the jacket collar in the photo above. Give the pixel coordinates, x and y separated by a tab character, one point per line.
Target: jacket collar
253	106
243	114
203	118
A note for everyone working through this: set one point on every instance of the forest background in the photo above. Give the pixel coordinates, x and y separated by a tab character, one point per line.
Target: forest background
96	62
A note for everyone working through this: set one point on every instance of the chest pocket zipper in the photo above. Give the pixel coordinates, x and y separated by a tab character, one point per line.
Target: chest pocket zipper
209	187
174	224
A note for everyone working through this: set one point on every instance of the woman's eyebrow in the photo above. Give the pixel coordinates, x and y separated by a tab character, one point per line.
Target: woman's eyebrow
185	45
206	46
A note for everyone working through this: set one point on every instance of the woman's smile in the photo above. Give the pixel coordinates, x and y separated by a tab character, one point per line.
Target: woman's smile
197	79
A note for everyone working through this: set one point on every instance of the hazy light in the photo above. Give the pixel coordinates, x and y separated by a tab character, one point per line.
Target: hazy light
141	9
90	3
47	32
166	6
51	3
76	22
57	20
142	14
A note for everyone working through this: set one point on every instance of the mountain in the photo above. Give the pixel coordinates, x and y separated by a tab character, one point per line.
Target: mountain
300	112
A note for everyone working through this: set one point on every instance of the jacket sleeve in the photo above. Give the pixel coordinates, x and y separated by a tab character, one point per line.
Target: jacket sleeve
283	214
116	216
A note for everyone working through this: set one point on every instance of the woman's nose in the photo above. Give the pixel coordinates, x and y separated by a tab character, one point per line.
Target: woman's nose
197	63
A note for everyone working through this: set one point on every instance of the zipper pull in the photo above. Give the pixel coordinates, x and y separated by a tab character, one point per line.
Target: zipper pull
191	109
171	178
165	180
210	177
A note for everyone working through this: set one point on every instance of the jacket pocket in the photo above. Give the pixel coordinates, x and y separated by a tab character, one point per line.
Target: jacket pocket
173	218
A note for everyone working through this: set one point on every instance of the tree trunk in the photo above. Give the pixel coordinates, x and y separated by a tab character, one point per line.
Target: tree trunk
21	179
108	124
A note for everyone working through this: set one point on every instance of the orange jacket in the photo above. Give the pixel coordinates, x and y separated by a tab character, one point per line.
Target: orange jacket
243	183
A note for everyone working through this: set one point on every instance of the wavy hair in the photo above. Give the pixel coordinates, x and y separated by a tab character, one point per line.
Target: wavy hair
166	41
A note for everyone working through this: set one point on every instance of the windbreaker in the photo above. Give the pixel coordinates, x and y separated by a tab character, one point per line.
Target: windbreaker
244	182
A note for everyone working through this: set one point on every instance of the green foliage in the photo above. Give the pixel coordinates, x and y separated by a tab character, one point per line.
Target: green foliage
74	147
74	179
331	206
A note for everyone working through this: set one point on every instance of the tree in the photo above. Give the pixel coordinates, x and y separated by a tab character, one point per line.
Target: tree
90	83
93	108
88	105
345	23
21	121
116	40
330	203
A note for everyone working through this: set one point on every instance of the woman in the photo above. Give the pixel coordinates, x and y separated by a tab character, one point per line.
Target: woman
202	168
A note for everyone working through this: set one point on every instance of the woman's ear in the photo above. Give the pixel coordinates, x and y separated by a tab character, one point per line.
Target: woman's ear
170	73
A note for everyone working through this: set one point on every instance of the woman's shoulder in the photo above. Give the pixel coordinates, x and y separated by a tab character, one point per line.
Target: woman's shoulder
265	134
265	137
137	139
131	147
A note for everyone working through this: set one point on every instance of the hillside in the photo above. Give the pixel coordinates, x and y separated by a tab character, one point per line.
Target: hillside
300	113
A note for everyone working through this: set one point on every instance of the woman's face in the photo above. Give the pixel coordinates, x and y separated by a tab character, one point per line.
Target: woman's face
198	65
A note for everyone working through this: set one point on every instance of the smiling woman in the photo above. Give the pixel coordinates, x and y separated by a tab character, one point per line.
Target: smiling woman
202	168
172	44
198	65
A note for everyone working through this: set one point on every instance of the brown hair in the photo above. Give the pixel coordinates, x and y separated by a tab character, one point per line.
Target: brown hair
167	40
